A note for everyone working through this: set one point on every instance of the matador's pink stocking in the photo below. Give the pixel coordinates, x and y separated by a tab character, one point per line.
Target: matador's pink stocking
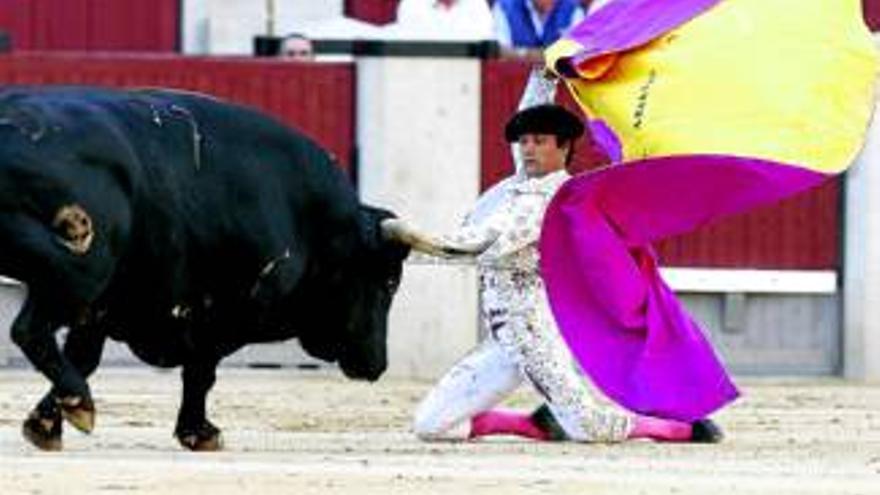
667	430
501	422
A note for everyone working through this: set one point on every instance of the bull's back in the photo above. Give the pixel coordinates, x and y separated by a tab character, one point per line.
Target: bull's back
179	186
257	182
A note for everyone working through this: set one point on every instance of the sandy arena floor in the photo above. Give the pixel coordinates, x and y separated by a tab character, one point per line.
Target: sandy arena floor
313	432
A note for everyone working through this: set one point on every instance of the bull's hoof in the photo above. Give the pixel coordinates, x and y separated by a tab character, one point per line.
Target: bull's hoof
706	431
204	438
43	432
79	412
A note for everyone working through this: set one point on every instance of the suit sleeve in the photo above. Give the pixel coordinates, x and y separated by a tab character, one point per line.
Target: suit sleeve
518	226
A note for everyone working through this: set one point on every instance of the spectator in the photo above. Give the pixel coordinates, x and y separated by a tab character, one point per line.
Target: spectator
444	19
524	28
296	46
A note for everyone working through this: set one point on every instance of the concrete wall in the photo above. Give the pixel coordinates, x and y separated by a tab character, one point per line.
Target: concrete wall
771	334
418	136
862	261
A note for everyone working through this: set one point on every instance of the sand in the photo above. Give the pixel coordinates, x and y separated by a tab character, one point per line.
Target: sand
304	432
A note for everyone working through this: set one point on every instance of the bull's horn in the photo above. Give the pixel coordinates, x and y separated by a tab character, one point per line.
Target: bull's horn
398	230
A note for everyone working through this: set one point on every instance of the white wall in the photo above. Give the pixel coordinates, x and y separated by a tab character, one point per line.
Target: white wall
418	130
861	280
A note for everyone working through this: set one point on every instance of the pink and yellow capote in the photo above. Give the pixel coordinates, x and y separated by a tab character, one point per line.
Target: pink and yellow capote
718	106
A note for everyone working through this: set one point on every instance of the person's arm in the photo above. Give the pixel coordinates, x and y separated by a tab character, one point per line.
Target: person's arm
577	16
502	28
519	223
471	240
467	242
518	226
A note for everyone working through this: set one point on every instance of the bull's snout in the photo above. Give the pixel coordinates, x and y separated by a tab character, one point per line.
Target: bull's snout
363	371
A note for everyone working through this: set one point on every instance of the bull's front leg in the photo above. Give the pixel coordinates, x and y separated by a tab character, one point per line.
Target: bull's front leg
34	332
193	429
83	348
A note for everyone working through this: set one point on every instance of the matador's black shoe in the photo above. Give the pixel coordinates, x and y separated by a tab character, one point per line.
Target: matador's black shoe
543	418
706	431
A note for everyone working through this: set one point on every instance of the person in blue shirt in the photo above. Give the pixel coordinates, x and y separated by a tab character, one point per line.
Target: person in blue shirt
523	28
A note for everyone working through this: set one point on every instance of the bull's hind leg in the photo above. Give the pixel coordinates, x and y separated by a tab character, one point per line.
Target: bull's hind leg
34	332
83	348
193	429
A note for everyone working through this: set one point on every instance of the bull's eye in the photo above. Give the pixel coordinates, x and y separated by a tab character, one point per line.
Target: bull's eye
391	284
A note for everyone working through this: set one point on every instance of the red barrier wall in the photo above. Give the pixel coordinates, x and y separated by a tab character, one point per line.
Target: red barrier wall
316	98
92	25
799	233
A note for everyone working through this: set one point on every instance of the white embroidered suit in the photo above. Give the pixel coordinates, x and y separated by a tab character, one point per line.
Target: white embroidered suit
523	342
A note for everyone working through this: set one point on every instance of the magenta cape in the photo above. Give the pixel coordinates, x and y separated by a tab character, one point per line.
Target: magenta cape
625	24
623	324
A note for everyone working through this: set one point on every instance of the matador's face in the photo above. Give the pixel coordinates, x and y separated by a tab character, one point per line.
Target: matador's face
542	154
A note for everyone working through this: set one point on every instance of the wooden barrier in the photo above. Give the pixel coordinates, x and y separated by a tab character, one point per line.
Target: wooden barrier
316	98
117	25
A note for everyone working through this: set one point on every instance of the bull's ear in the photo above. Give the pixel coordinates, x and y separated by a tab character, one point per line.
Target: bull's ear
371	225
374	236
376	214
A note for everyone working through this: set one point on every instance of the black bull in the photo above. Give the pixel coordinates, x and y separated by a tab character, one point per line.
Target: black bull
186	227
